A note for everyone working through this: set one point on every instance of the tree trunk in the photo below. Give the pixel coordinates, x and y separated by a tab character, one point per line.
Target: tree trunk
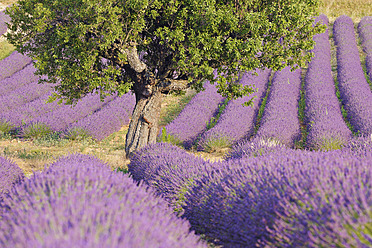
143	127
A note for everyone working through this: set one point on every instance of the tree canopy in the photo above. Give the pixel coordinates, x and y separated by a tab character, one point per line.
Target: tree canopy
84	45
154	47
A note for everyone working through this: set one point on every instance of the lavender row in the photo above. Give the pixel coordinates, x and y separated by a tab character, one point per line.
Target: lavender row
13	63
10	175
192	120
354	89
3	18
61	118
286	198
237	121
280	117
18	79
170	170
79	202
22	95
323	116
25	114
365	34
108	119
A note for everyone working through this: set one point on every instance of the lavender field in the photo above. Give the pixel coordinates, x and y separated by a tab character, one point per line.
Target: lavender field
296	167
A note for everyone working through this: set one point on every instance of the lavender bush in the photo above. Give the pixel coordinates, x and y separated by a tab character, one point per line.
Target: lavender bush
13	63
61	118
354	89
365	33
25	114
10	174
193	119
249	202
3	18
18	79
280	117
325	125
22	95
237	121
170	170
79	202
107	120
326	203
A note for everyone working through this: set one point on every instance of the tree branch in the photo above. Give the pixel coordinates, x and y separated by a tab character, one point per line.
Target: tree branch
133	58
168	84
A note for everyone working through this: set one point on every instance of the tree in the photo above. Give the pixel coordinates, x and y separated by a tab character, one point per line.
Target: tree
155	47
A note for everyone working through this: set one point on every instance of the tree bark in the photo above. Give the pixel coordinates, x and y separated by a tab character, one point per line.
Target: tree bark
143	127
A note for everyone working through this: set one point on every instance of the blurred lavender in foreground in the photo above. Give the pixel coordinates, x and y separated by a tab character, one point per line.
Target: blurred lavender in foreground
365	33
79	202
10	174
237	121
326	128
289	198
355	92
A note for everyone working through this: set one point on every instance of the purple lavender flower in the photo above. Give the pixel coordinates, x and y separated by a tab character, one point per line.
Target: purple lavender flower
365	33
237	122
10	174
192	120
18	79
22	95
79	202
280	200
61	118
109	119
3	18
354	89
280	117
13	63
170	170
323	117
25	114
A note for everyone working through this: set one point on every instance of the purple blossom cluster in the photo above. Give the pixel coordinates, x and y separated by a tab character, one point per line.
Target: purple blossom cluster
280	118
365	34
170	170
323	115
193	119
10	174
325	201
285	198
109	119
354	89
237	121
80	202
13	63
3	18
